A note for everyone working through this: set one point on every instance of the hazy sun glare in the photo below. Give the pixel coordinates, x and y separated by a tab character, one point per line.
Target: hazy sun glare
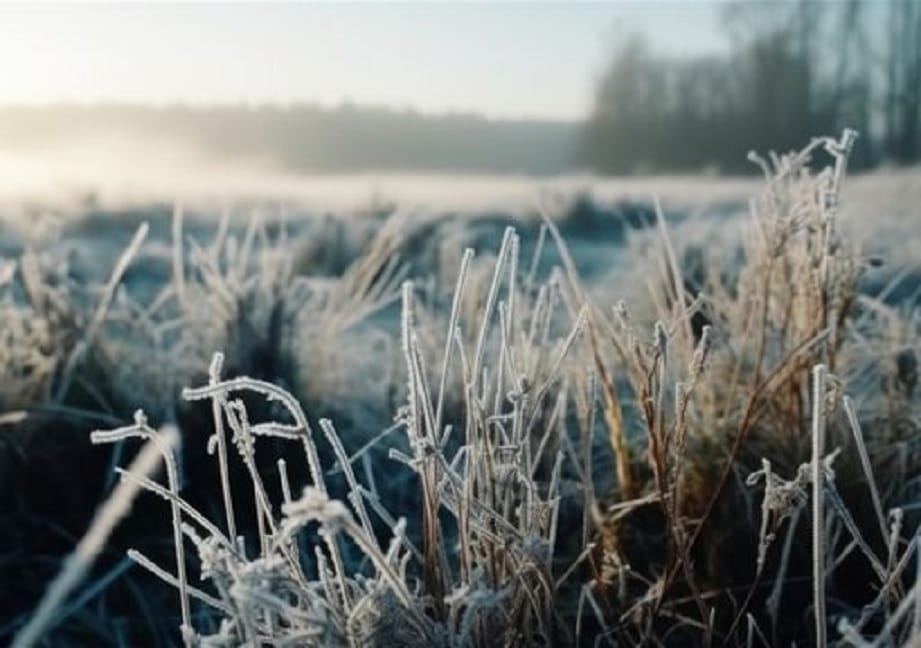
508	60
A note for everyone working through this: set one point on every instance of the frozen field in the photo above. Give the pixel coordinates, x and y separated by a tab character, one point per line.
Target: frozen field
566	403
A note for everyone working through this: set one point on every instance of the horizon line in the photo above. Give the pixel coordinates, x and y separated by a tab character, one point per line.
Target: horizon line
344	105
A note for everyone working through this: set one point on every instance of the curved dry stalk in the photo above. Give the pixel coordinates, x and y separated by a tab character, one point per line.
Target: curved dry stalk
140	429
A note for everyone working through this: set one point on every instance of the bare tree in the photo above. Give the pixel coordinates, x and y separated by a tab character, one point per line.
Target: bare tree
902	107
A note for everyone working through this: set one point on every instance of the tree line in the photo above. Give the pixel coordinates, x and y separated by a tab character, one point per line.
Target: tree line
305	138
793	69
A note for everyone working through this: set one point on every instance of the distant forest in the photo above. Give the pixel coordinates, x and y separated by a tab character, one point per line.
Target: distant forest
307	139
793	70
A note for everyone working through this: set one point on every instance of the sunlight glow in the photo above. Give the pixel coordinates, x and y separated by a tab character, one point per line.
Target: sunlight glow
508	60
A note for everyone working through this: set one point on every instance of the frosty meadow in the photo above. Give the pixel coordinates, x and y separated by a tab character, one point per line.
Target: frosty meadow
586	424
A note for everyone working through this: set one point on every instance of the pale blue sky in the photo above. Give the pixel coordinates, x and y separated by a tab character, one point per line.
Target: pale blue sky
500	59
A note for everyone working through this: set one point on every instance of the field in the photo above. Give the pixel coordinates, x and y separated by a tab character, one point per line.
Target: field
462	411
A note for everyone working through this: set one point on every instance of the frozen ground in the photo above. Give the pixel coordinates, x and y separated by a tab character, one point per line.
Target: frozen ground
54	198
339	360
